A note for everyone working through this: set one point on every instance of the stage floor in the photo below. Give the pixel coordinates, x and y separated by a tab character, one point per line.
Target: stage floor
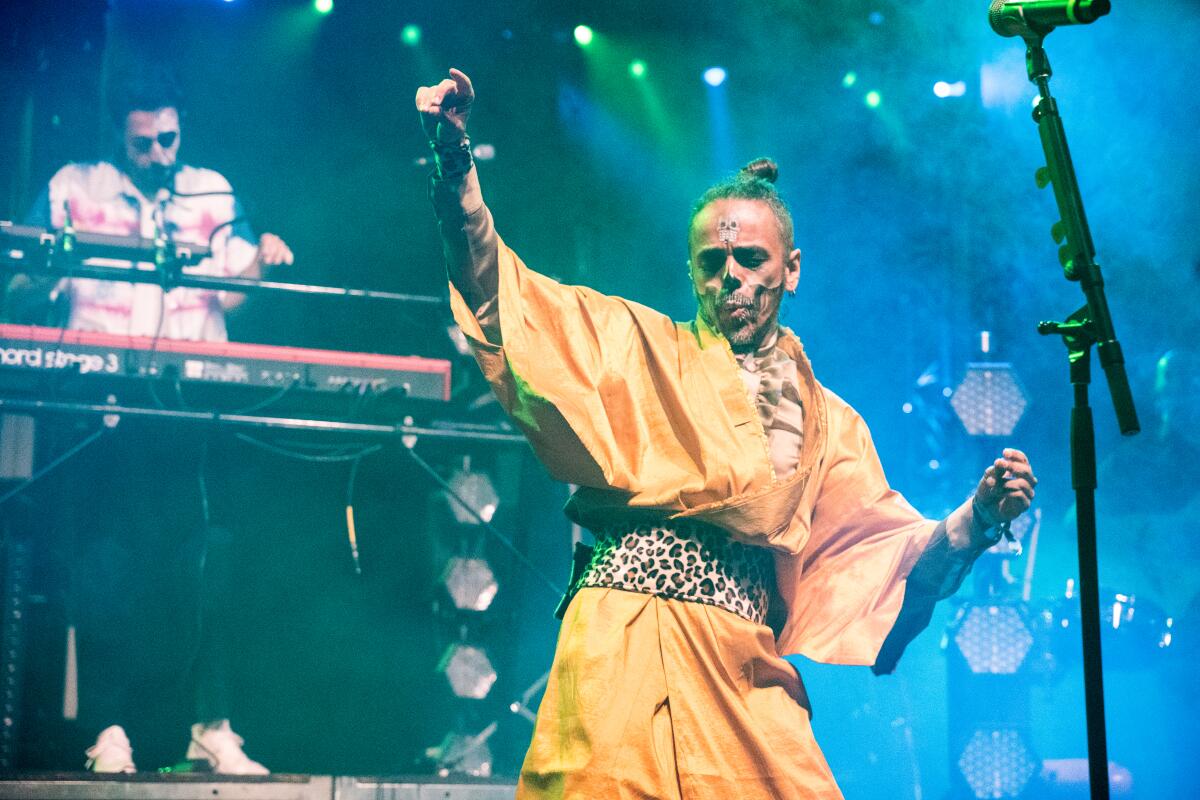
193	786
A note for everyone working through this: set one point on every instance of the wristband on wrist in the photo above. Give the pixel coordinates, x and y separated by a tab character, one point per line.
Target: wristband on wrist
986	521
453	159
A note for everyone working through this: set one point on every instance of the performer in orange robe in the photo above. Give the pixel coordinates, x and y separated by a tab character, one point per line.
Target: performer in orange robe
739	507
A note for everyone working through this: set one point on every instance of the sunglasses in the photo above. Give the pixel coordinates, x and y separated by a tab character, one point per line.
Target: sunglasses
142	144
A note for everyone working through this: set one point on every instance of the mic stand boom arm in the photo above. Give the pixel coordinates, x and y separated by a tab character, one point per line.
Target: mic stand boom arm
1078	255
1091	324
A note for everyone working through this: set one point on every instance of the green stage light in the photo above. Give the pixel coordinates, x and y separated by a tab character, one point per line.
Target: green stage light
637	68
323	6
873	99
583	35
849	79
411	35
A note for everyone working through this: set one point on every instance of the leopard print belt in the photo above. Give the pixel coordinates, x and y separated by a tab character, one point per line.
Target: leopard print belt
685	562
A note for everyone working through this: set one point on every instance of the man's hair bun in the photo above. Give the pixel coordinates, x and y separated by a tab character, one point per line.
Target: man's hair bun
762	168
755	181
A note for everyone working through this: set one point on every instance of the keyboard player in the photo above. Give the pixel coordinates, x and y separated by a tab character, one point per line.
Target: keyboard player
145	554
147	192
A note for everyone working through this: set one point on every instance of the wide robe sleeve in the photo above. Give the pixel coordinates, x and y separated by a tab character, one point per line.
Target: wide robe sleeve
844	590
616	397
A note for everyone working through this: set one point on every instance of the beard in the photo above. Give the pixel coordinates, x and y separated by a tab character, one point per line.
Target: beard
740	316
151	178
745	320
158	175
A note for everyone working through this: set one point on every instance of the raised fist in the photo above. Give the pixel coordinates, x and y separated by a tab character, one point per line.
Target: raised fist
444	108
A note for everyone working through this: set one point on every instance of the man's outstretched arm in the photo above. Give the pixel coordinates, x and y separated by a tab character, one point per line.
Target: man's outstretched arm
468	234
1004	493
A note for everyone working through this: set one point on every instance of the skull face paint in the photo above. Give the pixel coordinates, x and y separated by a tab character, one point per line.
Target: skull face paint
740	270
727	230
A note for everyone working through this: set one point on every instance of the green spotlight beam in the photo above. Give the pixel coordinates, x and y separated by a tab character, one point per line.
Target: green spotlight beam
623	82
656	114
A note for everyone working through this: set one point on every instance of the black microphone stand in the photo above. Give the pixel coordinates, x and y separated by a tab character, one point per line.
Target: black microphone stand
1090	325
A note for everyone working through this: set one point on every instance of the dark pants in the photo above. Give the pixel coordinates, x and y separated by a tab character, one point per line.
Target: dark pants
148	588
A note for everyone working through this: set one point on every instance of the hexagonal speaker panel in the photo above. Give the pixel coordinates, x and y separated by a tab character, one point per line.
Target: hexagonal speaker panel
993	639
996	764
470	582
469	671
990	401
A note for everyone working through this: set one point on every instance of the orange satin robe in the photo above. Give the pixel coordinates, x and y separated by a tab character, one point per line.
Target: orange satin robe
657	698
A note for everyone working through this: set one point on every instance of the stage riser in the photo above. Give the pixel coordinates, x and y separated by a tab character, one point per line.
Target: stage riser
191	787
348	788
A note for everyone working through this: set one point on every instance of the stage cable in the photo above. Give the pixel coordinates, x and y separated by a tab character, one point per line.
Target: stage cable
487	526
41	473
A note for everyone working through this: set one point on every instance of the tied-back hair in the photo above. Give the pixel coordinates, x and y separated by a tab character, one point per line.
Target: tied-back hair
755	181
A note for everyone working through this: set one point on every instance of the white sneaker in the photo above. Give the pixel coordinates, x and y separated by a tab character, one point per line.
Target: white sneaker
222	749
111	752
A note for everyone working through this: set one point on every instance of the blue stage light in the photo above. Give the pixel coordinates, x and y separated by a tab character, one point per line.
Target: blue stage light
714	76
945	89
